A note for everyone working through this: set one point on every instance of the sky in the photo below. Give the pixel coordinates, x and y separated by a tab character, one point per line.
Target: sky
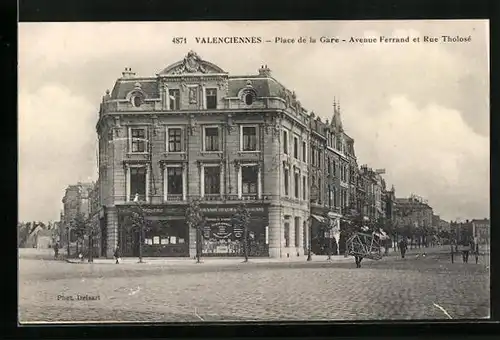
418	110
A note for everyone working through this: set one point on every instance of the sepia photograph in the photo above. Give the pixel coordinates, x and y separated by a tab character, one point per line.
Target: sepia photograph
233	171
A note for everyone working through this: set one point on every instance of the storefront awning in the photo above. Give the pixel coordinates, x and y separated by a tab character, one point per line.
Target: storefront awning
320	219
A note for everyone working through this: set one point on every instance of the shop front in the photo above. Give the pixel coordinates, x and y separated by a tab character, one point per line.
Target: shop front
166	233
164	229
222	238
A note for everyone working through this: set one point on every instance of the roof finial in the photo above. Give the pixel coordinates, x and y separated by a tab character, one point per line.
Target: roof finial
334	104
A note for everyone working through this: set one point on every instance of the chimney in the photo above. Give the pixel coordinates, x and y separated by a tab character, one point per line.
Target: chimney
264	71
128	73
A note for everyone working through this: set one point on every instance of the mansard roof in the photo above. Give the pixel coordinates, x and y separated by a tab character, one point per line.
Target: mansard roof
124	85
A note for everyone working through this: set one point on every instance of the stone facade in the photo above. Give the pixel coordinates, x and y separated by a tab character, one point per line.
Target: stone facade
193	129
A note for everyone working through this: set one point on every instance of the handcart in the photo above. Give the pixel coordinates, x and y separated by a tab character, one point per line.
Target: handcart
361	245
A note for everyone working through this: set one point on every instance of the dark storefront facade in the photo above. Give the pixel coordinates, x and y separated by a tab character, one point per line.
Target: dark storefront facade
167	235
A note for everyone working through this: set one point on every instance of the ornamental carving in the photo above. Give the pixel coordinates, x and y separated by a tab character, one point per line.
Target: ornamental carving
192	63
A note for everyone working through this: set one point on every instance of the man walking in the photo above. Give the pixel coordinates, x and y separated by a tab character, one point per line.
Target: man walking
56	251
117	254
402	247
465	251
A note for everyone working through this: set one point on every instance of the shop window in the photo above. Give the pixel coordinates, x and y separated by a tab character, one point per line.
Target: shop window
212	180
175	99
249	138
211	98
138	183
174	180
138	140
211	139
249	179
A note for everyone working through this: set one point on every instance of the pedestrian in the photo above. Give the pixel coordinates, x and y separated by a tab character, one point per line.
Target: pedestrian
56	251
117	254
465	251
403	246
358	260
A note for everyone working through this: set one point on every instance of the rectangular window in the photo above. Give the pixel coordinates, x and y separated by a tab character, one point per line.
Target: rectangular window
138	140
138	183
286	174
287	234
296	184
211	97
320	154
295	147
330	198
174	181
175	99
334	168
212	180
249	138
297	232
313	155
304	186
329	166
304	150
174	139
319	190
314	189
285	142
249	179
212	139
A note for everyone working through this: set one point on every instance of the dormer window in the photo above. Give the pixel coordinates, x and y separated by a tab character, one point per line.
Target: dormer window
248	99
137	101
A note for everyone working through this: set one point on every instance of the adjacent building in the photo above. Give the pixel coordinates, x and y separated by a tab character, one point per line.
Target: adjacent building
76	201
195	131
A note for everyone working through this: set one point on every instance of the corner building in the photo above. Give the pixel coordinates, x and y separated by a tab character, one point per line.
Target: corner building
194	131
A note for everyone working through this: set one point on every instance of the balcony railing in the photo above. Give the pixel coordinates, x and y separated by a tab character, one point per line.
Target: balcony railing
174	197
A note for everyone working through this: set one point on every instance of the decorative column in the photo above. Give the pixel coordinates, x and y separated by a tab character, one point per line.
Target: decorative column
127	183
167	98
165	183
275	232
259	182
184	182
202	180
204	97
240	181
222	172
148	168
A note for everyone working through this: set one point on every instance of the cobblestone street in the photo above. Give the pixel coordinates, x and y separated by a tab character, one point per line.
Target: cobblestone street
393	288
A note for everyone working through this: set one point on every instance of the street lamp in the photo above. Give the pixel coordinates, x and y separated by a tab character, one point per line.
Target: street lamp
309	246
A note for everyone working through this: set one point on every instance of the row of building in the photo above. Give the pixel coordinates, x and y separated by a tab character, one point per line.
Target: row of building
194	131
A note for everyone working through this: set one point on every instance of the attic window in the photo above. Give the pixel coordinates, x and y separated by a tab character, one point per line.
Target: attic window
137	101
248	99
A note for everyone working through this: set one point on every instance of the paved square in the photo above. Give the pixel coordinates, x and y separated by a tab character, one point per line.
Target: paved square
393	288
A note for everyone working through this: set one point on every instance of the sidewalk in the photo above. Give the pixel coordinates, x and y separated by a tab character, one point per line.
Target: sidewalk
179	261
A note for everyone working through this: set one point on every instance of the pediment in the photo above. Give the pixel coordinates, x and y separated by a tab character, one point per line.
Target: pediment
192	64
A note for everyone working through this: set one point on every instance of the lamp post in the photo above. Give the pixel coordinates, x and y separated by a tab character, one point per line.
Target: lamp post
67	238
309	245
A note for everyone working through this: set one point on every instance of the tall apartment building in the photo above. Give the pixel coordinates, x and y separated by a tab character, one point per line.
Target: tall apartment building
76	200
194	131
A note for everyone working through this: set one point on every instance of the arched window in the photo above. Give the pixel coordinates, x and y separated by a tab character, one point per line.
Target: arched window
137	101
248	99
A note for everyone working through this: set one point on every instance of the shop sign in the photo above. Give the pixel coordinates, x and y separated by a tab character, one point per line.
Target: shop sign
229	209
